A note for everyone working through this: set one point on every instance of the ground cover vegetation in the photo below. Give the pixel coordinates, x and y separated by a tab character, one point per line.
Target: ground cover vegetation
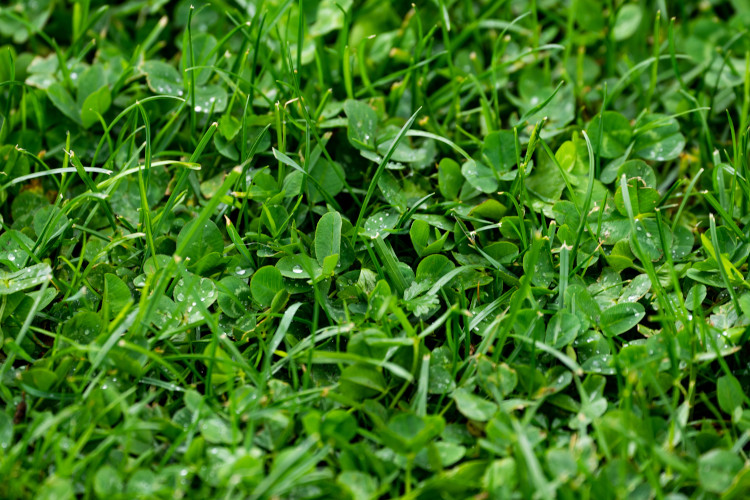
374	249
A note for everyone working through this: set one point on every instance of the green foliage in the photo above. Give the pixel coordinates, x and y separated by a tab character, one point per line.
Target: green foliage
374	249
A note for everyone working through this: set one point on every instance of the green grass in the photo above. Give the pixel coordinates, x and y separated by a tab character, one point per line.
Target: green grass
364	249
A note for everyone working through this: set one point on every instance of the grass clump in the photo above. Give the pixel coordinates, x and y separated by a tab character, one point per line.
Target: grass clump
374	249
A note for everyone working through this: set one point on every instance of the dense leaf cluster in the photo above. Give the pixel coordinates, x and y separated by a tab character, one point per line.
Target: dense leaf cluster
374	249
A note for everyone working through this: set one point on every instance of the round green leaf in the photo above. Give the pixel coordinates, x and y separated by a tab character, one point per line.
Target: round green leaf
474	407
84	327
717	469
358	484
636	289
660	138
63	101
730	394
41	379
616	134
638	169
142	483
266	282
149	267
500	149
56	488
361	381
328	236
544	271
433	267
89	81
107	481
329	177
363	122
620	318
50	218
380	223
479	176
116	295
502	251
449	178
162	78
216	430
6	431
599	363
409	433
643	200
340	425
562	329
205	239
12	252
192	289
210	98
627	21
235	297
682	243
203	45
24	279
96	104
295	267
696	295
647	232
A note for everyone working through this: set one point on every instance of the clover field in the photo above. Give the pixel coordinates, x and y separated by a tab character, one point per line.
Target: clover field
312	249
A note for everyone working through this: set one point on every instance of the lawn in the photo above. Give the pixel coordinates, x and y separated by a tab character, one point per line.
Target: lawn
323	249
